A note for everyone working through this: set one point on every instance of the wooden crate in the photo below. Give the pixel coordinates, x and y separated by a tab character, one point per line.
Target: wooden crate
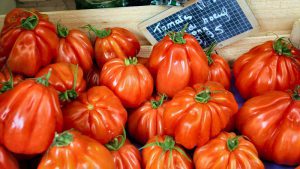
274	16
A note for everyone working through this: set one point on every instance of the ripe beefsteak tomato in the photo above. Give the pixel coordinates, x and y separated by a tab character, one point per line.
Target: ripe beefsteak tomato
29	45
227	151
125	155
8	80
74	47
97	113
114	43
274	65
66	78
72	150
129	80
147	121
197	114
93	77
7	160
30	116
176	62
161	152
272	122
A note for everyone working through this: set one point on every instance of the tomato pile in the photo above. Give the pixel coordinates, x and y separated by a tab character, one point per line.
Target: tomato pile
78	103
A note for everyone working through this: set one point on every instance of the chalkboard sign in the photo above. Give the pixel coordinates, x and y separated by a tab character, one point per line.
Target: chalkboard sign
221	21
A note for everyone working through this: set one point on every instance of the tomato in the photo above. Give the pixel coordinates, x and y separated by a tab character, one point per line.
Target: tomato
97	113
114	43
125	155
130	80
93	77
272	122
66	78
273	65
30	116
231	124
8	80
219	70
161	152
176	62
146	121
298	167
7	161
227	151
74	47
197	114
72	150
29	46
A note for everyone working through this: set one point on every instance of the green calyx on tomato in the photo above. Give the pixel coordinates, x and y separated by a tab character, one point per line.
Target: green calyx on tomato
44	80
116	143
99	33
208	53
30	22
233	143
9	84
283	47
70	95
296	93
62	30
177	37
63	139
157	103
131	61
204	96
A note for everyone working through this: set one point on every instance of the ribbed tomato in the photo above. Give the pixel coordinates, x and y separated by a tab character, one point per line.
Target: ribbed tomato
125	155
114	43
8	80
72	150
146	121
176	62
129	80
227	151
272	122
97	113
197	114
93	77
7	160
66	78
273	65
31	115
161	152
74	47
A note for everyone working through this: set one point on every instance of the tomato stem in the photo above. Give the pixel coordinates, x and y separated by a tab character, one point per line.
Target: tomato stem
283	47
116	143
233	143
177	37
157	103
204	96
62	30
9	84
99	33
44	80
70	95
296	93
30	22
208	53
131	61
63	139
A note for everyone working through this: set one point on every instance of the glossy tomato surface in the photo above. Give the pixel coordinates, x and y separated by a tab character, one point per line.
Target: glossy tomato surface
7	161
8	80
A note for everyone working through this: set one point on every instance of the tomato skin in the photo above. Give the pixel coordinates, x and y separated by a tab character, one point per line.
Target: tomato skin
93	77
76	48
259	120
194	123
262	70
7	161
120	43
97	113
25	110
132	80
216	154
146	121
82	152
170	62
5	78
154	157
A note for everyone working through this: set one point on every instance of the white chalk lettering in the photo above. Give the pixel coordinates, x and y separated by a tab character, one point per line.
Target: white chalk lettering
219	30
179	20
157	28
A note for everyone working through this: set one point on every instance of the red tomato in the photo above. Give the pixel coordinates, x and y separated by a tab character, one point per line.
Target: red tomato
97	113
7	161
72	150
93	77
74	47
273	65
125	155
227	151
66	78
197	114
130	81
231	124
298	167
8	80
29	46
176	62
114	43
146	121
272	122
30	117
161	152
219	70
